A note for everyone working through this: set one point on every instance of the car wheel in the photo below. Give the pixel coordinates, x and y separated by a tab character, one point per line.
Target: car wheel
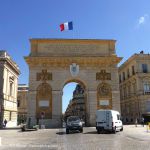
114	131
121	129
67	131
98	131
81	130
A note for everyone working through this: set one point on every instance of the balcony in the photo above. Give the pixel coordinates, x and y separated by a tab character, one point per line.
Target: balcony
146	92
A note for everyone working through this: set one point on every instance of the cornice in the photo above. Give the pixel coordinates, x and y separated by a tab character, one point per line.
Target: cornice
67	61
135	58
89	41
11	64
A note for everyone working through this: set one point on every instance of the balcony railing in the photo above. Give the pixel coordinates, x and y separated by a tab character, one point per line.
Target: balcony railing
146	92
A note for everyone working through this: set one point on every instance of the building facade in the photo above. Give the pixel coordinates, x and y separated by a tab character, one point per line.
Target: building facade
134	78
22	103
9	72
55	62
76	106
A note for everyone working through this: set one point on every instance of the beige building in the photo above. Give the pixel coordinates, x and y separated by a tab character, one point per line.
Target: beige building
134	78
22	102
55	62
9	73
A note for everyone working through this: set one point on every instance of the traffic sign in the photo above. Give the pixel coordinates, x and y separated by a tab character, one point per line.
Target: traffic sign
42	114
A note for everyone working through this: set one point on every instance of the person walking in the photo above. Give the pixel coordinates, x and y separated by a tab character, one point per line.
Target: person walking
136	122
142	121
5	123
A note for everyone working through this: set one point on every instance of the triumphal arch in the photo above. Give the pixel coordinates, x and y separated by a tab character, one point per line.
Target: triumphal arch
55	62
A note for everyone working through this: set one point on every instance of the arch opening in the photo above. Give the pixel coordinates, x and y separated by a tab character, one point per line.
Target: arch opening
74	100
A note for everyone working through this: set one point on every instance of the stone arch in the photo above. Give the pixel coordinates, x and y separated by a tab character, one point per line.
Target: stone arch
104	96
55	57
75	80
44	101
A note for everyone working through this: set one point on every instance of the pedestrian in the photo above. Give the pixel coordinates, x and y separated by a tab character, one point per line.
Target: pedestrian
5	123
136	121
142	121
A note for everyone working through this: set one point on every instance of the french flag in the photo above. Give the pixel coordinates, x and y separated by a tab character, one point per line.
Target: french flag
66	26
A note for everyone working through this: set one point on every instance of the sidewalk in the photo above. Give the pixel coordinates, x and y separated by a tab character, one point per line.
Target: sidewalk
138	132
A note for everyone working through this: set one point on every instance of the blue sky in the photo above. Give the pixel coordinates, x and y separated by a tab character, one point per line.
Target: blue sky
126	21
67	94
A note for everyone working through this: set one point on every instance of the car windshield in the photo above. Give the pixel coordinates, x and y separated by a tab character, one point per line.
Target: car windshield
73	119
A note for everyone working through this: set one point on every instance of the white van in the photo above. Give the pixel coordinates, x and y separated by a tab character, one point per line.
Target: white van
108	120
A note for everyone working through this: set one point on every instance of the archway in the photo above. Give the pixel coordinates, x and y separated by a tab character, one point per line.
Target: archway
55	62
77	102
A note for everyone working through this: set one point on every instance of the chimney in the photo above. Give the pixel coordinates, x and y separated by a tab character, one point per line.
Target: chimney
142	52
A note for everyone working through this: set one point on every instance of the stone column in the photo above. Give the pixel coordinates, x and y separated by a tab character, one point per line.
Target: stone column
116	100
115	89
92	107
31	107
57	107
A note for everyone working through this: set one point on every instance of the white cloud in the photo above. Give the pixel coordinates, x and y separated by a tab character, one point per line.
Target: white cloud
142	20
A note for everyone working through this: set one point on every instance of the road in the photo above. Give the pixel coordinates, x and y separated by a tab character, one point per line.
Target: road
132	138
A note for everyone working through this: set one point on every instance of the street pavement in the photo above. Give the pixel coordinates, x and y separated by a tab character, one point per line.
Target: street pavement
132	138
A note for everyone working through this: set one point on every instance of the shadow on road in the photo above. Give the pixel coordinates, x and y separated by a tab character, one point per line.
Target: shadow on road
61	133
91	132
95	132
28	130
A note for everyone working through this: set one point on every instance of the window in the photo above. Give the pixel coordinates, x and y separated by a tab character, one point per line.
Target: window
11	88
134	88
129	90
133	70
18	103
128	73
121	93
125	92
11	81
123	75
146	88
118	117
10	115
144	68
148	106
120	78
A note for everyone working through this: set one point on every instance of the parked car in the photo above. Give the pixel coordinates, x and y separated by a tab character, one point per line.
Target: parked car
74	123
108	120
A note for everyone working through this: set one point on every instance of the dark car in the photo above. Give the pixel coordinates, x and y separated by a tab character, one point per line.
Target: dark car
74	123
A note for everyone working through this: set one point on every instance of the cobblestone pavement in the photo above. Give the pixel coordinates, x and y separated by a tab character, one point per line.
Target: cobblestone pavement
132	138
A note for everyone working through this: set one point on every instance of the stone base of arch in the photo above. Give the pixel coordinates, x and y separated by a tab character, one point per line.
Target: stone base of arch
56	123
50	123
